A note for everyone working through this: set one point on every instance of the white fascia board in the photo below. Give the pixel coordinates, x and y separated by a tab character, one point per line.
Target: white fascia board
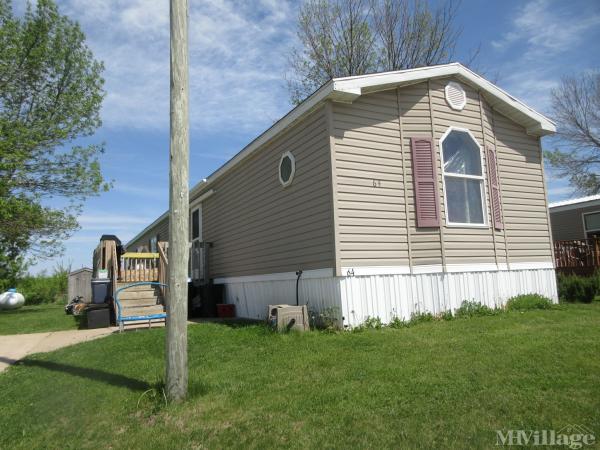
438	268
366	271
375	270
542	125
536	265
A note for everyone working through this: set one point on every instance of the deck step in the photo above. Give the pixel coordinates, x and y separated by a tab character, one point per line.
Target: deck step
141	287
140	302
142	311
134	295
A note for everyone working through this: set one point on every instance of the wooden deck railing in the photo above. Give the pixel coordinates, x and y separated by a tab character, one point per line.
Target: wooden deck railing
577	256
139	267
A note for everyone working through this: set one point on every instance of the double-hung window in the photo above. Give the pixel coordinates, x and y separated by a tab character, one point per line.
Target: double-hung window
463	179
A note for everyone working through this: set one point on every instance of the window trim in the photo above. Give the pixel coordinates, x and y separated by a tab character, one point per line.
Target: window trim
585	230
288	182
199	209
482	179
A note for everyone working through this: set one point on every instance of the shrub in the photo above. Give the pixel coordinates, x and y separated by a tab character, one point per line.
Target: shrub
373	323
397	322
446	315
525	302
45	288
421	317
472	309
574	288
327	319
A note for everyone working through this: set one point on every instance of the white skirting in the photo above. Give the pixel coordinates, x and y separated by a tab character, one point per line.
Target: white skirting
388	296
252	298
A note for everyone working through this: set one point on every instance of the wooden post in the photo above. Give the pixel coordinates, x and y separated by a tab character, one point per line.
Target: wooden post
176	354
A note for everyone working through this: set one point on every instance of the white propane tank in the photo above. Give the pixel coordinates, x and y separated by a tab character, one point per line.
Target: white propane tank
11	299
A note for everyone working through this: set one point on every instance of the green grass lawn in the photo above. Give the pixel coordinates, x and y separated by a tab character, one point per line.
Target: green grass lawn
36	319
434	385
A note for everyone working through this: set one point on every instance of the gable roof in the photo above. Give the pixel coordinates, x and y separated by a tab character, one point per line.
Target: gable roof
582	202
348	89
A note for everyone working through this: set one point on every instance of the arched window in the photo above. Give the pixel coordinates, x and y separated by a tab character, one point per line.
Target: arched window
463	178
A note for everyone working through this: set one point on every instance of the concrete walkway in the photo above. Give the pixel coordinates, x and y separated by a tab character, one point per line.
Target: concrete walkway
17	346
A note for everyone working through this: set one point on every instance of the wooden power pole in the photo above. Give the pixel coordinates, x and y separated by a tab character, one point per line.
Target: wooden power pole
177	362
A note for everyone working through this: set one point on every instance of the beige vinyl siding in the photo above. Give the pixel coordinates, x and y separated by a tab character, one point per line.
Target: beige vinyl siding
466	245
415	116
370	197
567	225
256	225
161	229
373	225
523	194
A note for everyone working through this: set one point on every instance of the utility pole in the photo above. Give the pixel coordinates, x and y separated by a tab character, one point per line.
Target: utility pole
176	354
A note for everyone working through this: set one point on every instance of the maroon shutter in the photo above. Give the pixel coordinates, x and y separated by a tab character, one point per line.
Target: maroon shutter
425	180
492	168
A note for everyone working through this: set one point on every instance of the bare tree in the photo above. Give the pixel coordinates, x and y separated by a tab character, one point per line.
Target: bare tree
576	110
352	37
336	41
411	35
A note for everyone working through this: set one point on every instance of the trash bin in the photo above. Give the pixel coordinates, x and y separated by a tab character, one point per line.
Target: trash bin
100	290
98	317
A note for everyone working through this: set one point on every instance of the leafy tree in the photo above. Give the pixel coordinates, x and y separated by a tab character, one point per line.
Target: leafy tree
352	37
576	110
51	90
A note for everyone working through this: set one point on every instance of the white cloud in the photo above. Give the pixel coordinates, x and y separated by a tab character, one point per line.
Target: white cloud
546	28
544	39
142	190
237	60
561	191
112	220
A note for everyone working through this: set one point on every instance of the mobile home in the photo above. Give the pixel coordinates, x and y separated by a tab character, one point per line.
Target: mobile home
577	218
385	195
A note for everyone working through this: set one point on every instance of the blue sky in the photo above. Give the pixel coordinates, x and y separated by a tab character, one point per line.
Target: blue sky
238	61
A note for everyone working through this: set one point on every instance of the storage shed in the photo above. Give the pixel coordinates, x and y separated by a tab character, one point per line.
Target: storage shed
80	283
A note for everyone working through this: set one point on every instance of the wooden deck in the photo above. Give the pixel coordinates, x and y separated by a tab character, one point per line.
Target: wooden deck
580	257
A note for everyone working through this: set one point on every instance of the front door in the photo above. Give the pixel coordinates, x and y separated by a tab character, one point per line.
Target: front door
196	250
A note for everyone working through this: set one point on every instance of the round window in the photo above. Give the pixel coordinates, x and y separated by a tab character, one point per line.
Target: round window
287	168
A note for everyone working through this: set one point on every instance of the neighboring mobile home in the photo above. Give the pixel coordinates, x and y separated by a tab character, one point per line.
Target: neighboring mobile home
575	219
393	193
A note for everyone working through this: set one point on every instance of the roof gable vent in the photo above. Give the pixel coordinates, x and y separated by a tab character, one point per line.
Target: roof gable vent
456	96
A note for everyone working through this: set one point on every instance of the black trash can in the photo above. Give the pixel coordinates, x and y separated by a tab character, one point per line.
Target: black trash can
98	317
100	290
